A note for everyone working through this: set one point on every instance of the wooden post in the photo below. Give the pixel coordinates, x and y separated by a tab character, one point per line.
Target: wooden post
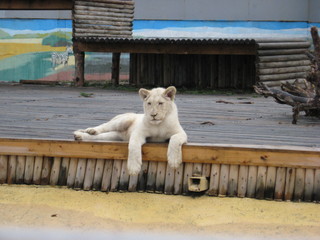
79	64
115	71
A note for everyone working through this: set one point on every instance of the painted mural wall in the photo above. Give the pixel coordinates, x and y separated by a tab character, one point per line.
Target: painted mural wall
41	49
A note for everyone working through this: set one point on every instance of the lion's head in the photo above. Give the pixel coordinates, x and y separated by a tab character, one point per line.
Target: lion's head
157	103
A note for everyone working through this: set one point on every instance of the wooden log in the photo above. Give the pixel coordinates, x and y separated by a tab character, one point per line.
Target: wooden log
28	172
252	181
280	184
98	174
91	27
102	18
178	180
187	173
197	169
108	13
107	175
46	170
55	171
151	179
309	185
103	32
285	45
72	172
282	76
103	11
80	175
104	22
233	181
243	181
124	178
214	180
275	40
107	34
269	71
161	175
283	64
115	71
290	180
316	186
133	183
299	184
281	58
3	169
21	163
143	177
117	2
224	179
261	182
63	173
38	161
89	174
105	5
279	83
12	164
116	172
270	183
281	52
169	182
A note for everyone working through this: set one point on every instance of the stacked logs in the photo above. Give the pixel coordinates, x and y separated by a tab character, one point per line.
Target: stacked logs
103	18
281	60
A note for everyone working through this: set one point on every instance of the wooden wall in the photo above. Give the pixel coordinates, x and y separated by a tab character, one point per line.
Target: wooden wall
193	71
236	171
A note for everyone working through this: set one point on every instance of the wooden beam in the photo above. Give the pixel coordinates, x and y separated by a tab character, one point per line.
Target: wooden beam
170	48
36	5
254	155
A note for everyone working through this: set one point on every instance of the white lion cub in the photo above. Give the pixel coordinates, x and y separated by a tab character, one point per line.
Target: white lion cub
159	123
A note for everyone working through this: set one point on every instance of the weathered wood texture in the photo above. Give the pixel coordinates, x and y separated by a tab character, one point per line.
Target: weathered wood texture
193	70
103	18
278	62
281	174
36	5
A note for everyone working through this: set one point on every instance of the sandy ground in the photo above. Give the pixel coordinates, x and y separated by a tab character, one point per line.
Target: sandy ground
60	209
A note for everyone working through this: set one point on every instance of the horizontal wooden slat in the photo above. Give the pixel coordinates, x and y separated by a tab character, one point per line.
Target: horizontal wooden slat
284	64
283	45
109	4
266	71
282	76
298	157
281	51
280	58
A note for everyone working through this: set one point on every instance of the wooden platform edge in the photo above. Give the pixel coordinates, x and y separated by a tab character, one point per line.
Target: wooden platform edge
248	155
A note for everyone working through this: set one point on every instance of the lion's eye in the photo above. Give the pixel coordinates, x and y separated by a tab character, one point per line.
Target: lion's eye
149	103
160	103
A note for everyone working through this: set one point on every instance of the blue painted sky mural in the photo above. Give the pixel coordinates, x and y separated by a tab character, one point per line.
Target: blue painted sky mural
28	46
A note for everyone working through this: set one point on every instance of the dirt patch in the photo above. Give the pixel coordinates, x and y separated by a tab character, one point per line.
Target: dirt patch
61	208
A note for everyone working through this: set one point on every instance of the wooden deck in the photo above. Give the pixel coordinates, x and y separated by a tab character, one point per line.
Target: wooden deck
29	111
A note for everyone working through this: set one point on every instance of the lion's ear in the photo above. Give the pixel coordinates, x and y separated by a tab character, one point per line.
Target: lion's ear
170	92
144	93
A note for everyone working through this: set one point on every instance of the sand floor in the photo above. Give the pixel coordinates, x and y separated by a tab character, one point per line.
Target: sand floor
54	208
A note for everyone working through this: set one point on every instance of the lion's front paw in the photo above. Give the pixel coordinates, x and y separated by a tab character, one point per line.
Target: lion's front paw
174	159
134	167
78	135
92	131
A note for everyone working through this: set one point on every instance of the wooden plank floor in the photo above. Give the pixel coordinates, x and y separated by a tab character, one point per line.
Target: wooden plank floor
32	111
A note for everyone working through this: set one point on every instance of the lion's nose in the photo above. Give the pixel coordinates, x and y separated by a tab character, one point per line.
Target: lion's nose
154	115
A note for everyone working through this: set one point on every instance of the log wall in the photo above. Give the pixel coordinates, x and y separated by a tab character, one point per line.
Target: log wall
103	18
193	70
258	172
282	60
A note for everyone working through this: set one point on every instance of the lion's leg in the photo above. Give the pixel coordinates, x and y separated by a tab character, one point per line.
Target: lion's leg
119	123
174	153
108	136
134	154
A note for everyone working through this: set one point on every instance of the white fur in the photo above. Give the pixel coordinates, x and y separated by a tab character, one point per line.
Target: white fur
159	123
